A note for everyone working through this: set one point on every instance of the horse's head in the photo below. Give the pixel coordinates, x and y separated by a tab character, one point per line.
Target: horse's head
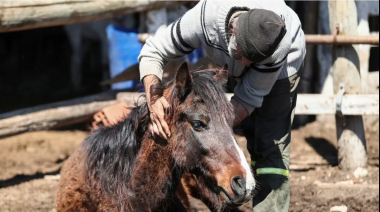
203	142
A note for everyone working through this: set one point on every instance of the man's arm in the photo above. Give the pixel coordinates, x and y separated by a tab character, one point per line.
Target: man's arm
174	42
177	40
240	112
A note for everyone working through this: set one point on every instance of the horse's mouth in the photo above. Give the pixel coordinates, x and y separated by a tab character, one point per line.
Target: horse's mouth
231	202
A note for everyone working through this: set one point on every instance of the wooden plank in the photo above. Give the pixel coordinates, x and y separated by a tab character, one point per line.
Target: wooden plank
50	119
66	113
54	115
106	96
315	104
352	152
23	15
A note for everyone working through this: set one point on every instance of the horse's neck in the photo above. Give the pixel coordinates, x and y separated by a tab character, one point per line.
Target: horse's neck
154	178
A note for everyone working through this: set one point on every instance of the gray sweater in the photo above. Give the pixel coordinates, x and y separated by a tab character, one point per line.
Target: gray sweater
206	25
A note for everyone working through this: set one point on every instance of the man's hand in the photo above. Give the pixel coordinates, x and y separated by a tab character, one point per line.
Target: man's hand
157	105
110	115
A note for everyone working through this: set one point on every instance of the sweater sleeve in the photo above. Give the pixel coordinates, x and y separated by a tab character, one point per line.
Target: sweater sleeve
179	39
256	83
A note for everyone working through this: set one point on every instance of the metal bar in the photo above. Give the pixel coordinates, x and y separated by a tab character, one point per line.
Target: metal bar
342	39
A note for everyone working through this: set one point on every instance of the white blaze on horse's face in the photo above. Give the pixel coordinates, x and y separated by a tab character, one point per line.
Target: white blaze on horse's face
227	163
250	180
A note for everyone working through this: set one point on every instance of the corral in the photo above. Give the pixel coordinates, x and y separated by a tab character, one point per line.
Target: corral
36	141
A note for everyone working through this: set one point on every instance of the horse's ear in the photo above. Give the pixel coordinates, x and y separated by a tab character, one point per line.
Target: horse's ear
221	76
183	81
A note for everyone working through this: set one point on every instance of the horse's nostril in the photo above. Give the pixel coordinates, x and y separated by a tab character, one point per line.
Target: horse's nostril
238	185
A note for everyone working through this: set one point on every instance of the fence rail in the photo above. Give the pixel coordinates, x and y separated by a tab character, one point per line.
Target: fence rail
24	15
342	39
319	39
66	113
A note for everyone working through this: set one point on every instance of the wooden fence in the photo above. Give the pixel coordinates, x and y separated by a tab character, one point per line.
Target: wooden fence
348	104
66	113
22	15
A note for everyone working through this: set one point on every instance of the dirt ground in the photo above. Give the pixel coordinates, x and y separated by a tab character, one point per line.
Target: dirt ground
30	164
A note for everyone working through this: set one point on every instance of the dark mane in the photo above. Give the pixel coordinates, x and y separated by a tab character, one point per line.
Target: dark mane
112	152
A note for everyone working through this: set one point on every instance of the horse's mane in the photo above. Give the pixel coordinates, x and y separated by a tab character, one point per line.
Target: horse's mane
211	92
112	151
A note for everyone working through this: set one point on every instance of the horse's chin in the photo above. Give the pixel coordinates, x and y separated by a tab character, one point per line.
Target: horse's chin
229	203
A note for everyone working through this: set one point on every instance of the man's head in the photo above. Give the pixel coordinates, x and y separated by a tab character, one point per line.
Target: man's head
258	33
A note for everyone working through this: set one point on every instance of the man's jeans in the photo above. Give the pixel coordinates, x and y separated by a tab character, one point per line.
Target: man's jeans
268	133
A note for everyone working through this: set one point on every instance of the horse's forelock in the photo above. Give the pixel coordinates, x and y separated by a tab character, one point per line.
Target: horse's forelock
205	86
210	90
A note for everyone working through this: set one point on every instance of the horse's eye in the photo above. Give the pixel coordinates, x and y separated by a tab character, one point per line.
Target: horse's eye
198	125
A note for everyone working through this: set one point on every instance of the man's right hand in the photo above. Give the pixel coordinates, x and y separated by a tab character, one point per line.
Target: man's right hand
157	105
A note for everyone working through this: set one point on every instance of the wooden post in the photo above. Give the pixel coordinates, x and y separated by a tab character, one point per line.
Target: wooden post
346	69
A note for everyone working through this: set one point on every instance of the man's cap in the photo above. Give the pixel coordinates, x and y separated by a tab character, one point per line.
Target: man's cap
258	34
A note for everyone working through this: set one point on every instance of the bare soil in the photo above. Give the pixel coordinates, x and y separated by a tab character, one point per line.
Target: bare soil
30	165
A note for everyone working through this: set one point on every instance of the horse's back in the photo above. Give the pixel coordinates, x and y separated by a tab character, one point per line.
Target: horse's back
74	193
71	193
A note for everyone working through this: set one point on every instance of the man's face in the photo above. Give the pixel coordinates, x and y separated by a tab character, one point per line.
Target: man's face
236	53
232	48
244	60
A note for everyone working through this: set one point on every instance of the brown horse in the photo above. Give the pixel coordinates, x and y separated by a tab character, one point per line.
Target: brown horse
124	168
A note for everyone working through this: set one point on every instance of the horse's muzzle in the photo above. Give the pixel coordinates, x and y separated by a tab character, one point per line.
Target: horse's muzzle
238	185
241	194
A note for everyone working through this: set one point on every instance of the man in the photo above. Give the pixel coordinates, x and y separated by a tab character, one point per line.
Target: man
264	47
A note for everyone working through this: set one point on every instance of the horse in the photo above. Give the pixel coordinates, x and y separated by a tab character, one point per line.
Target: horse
125	168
